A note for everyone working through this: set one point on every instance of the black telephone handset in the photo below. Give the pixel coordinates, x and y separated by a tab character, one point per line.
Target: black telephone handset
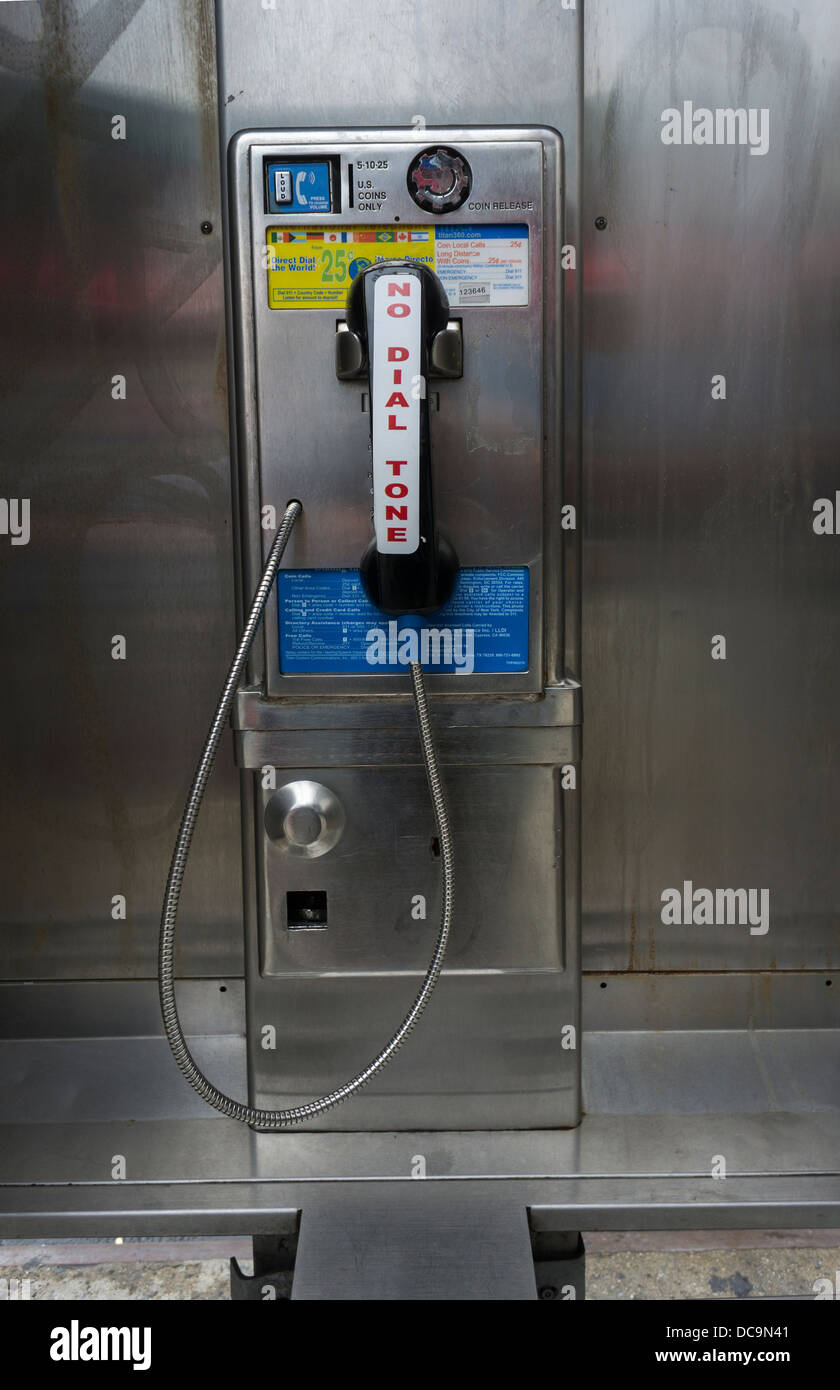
395	309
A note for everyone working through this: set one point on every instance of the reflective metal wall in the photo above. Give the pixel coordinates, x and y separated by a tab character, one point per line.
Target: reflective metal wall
697	512
106	273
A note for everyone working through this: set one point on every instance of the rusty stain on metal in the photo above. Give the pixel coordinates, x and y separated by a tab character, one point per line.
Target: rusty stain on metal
200	39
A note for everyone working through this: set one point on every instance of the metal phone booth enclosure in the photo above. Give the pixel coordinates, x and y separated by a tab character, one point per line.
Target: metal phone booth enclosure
453	991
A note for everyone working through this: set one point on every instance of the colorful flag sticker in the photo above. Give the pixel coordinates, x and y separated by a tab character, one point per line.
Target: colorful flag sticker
314	267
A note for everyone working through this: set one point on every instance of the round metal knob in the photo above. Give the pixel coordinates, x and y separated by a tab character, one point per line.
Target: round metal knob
439	179
302	825
304	818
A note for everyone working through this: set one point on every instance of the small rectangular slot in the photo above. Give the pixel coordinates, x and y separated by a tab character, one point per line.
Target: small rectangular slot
306	911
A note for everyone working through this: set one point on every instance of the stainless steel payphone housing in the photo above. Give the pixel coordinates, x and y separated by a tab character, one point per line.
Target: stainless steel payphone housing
345	916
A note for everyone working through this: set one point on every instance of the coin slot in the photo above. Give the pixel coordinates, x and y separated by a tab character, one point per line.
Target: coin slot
306	911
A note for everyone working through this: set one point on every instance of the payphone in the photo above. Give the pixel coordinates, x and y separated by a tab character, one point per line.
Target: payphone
396	309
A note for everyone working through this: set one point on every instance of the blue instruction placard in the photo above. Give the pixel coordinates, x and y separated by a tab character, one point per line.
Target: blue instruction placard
329	627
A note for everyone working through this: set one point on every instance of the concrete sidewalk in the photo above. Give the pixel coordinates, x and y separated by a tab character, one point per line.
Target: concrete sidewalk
620	1265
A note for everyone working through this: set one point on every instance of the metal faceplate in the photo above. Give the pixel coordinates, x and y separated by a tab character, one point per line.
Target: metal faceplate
495	432
345	877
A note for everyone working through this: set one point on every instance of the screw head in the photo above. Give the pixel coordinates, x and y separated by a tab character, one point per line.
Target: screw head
601	223
547	1292
207	228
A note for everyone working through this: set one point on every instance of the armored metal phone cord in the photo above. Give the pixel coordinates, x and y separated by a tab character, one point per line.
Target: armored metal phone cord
279	1119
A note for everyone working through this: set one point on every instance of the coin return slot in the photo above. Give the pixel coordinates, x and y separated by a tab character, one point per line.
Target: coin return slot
306	911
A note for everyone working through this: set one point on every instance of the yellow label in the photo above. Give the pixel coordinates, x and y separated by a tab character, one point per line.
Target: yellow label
314	267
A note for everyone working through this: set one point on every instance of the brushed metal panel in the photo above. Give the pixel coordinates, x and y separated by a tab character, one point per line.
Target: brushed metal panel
699	512
297	748
505	825
408	65
100	1080
106	272
120	1008
617	1148
414	1245
490	1050
778	999
721	1071
559	705
565	1204
487	1053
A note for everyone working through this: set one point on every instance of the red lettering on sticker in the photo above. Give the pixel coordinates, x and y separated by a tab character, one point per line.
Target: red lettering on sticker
396	465
397	377
397	533
397	354
396	490
396	398
399	311
392	424
396	513
394	288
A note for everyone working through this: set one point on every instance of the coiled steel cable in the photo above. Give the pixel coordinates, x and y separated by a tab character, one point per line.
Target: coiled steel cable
279	1119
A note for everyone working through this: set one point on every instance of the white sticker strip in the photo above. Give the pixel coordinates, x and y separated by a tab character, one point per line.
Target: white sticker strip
395	403
483	265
